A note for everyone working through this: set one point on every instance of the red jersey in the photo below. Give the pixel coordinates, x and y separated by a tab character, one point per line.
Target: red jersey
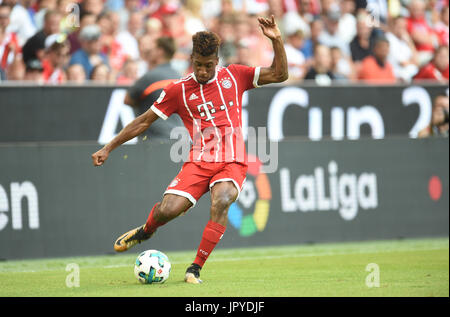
51	75
372	72
420	25
211	112
6	54
430	71
442	33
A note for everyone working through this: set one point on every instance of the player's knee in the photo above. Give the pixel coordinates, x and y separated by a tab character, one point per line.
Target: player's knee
167	211
222	200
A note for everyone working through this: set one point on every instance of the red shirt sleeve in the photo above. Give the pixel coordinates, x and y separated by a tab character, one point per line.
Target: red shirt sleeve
245	76
426	72
445	73
168	102
409	25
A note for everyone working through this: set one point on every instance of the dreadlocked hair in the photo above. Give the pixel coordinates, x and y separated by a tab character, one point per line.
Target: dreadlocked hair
205	43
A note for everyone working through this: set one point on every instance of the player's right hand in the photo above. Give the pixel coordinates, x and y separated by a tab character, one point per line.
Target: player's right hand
99	157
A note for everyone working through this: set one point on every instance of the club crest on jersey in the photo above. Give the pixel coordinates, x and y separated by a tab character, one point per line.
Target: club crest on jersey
226	83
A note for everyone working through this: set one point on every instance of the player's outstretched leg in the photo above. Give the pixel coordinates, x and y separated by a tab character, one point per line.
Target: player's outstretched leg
223	194
171	207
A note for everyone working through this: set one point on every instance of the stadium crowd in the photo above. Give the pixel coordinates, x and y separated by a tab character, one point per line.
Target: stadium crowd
111	41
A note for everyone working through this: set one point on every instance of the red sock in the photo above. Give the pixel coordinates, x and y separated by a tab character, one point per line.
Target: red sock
211	235
151	225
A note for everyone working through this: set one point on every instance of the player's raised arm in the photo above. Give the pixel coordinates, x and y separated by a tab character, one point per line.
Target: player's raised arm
133	129
278	71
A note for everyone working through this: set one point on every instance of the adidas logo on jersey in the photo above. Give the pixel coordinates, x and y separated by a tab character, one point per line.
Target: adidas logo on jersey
193	96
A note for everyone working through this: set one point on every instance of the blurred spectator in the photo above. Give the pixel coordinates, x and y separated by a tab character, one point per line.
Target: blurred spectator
89	55
244	55
35	46
193	20
160	56
421	33
114	5
442	28
295	58
395	8
439	119
330	35
341	66
328	5
320	72
294	20
228	45
309	43
252	7
75	74
110	46
94	7
211	9
145	46
376	69
276	8
129	27
438	68
378	9
42	7
153	28
147	89
34	71
124	12
100	74
434	8
165	12
173	25
361	46
21	22
308	9
262	51
74	37
347	22
242	28
227	10
129	73
56	58
127	39
402	52
10	51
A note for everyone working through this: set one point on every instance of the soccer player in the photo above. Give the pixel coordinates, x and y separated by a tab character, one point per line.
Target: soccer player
209	103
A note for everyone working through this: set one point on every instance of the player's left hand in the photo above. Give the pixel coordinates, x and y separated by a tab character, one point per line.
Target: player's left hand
269	27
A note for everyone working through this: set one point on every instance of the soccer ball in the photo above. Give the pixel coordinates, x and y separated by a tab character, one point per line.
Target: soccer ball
152	266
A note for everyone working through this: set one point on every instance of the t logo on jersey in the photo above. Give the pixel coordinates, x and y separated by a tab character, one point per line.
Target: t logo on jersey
206	109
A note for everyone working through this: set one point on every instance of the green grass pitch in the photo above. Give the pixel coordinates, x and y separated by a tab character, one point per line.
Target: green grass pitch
414	267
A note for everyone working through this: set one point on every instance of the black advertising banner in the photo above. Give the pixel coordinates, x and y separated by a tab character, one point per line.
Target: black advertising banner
53	202
97	113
